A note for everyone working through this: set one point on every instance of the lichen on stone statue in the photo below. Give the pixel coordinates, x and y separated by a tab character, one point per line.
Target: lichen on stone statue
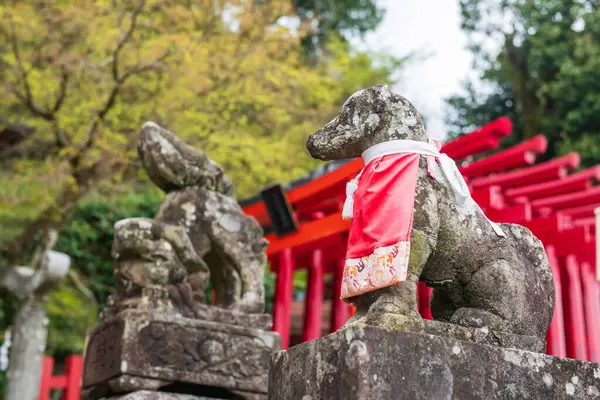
486	276
157	329
199	236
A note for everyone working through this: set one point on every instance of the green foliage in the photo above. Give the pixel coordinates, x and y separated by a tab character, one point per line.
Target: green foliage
88	236
227	76
343	16
70	315
336	18
231	81
73	307
545	75
269	290
473	109
300	280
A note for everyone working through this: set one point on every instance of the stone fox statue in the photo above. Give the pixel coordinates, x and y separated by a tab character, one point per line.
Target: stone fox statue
483	274
230	246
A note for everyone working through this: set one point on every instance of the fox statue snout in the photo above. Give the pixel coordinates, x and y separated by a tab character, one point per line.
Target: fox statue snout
368	117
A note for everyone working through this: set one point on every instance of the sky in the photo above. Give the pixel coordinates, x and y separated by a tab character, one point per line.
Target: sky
431	28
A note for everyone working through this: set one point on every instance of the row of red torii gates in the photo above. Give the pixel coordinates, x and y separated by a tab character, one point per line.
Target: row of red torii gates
554	203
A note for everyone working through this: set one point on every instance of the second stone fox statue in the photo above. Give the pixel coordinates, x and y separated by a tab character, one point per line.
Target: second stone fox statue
484	275
200	228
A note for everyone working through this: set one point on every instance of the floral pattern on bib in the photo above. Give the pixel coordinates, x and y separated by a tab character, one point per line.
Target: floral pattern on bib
384	267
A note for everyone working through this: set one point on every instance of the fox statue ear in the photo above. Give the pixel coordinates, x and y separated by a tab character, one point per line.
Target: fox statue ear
167	159
159	157
385	88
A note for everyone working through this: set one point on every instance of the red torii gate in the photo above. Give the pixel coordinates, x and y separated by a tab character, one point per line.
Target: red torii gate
557	207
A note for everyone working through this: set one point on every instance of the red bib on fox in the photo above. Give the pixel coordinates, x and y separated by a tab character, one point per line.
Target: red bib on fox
380	201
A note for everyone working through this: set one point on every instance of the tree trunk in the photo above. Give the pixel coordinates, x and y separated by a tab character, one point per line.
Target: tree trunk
530	107
29	333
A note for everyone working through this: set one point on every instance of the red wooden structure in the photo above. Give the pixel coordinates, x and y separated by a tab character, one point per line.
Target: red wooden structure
69	383
555	204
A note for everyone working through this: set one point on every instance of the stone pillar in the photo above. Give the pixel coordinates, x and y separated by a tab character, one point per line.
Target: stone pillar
339	309
282	303
314	298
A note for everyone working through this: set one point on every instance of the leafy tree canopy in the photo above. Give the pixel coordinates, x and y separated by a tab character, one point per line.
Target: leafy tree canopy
538	62
225	75
341	18
78	79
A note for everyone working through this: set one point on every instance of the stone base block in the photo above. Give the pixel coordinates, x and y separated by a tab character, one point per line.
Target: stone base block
398	322
139	350
149	395
362	362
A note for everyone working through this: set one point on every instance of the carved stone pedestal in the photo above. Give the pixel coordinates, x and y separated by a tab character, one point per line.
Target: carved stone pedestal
363	362
157	351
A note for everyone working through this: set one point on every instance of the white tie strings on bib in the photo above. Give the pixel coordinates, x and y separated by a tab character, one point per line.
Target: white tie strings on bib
447	165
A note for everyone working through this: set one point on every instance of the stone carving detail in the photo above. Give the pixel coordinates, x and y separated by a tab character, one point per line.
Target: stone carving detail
157	326
481	281
162	349
103	359
169	346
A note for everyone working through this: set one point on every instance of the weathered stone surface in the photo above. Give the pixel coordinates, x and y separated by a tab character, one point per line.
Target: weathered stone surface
231	243
163	349
149	395
199	236
480	280
157	332
399	322
172	164
201	201
361	362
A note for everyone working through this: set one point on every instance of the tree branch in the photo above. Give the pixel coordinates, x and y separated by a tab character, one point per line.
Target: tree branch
47	267
119	81
53	216
48	240
62	91
26	98
126	38
110	102
36	149
80	285
151	66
